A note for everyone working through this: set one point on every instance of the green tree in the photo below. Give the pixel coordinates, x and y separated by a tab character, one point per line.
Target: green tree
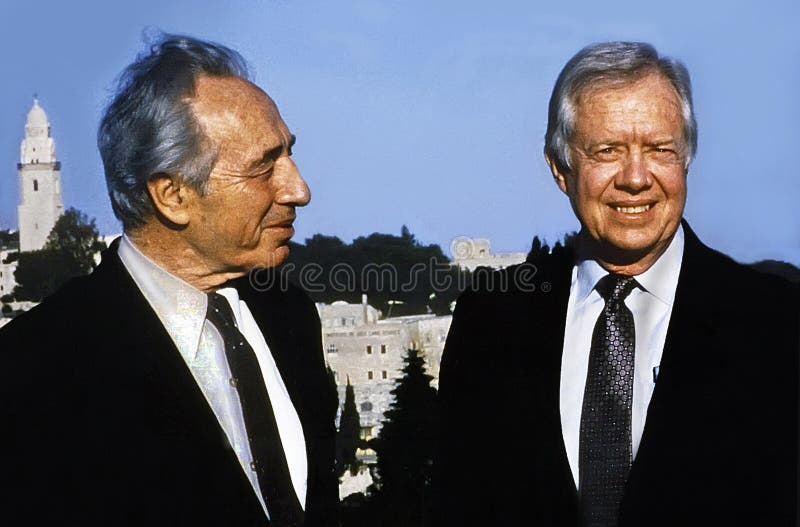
538	248
9	238
68	252
405	448
76	236
386	267
332	383
347	438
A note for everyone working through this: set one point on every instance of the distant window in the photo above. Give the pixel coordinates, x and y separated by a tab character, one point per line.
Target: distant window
383	348
366	407
332	348
369	351
35	185
366	431
384	374
344	321
369	375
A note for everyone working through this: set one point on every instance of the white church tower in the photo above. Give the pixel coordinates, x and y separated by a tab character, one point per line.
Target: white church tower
39	182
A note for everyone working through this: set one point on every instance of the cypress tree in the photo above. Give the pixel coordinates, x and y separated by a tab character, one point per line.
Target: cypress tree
347	438
406	445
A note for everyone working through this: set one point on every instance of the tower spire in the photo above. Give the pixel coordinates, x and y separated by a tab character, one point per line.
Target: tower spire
39	181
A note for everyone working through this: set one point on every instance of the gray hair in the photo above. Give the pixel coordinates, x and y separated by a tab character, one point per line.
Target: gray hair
149	128
612	64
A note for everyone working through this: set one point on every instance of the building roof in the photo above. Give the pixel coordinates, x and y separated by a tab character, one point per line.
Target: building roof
36	116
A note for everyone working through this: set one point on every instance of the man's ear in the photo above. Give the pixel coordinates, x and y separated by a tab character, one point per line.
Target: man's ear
171	198
558	174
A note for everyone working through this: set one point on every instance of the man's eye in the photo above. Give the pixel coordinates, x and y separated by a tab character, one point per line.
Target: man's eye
606	152
664	152
265	173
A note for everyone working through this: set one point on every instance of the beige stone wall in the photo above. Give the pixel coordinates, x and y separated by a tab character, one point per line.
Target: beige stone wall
371	353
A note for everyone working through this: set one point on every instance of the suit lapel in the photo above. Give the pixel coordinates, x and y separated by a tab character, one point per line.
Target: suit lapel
178	403
546	310
687	333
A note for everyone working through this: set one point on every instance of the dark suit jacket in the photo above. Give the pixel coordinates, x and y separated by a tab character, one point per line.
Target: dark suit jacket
103	423
720	439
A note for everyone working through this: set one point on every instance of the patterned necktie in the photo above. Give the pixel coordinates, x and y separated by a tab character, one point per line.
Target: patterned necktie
269	461
605	437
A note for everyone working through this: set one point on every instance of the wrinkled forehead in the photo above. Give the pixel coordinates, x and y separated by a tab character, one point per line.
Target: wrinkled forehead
600	85
230	109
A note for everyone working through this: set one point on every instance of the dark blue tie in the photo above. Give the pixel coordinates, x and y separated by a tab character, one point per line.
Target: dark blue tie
269	460
605	438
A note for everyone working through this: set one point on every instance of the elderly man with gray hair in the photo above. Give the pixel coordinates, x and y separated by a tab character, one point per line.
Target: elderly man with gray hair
162	389
641	378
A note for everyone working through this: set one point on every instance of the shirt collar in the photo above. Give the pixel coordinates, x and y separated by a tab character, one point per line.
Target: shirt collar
180	306
660	280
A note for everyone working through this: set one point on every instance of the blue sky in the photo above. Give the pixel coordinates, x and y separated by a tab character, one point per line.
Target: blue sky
432	114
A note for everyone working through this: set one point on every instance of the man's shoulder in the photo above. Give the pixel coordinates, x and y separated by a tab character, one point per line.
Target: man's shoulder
77	321
719	277
64	310
541	277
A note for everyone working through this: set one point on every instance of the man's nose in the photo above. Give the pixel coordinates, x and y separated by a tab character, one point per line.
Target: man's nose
294	190
635	175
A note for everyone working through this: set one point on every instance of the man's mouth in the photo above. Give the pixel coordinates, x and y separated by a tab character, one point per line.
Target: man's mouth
287	223
637	209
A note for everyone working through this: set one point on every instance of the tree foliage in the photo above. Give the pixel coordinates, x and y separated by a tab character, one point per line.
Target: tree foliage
347	438
421	277
539	248
69	252
406	447
9	238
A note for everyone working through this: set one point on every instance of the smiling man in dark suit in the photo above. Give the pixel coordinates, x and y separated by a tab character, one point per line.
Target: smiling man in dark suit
163	389
640	378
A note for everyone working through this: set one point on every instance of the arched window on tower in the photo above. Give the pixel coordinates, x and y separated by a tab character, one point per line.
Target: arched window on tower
35	185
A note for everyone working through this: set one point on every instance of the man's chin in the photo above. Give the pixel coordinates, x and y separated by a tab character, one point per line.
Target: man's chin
275	257
631	249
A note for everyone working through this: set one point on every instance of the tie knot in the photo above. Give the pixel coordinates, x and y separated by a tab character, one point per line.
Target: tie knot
219	311
616	287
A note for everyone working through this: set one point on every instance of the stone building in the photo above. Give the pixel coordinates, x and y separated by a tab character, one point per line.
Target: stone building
40	203
7	282
368	350
39	182
471	253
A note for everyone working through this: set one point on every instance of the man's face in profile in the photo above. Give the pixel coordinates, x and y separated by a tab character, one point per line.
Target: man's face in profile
245	218
628	182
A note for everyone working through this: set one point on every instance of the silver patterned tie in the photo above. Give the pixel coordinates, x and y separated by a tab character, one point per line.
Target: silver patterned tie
605	437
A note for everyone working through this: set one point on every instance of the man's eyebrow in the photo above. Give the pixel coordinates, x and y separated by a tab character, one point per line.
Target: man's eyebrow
273	153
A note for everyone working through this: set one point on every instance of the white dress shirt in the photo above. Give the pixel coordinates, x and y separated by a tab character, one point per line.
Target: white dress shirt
182	310
651	305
